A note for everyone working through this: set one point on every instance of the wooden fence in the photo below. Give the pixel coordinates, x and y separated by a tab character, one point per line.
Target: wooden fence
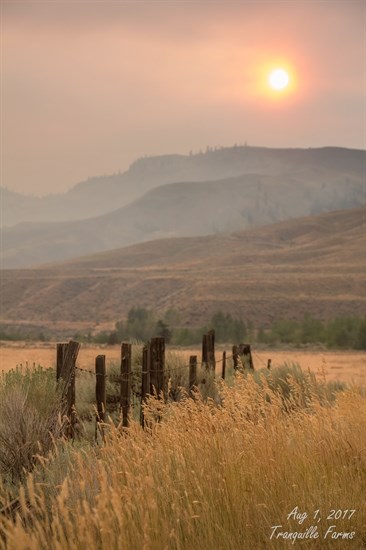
154	379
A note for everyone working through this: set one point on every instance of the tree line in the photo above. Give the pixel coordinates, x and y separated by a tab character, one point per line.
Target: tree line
142	324
341	332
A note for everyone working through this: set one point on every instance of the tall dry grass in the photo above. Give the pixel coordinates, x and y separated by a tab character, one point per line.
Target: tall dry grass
207	476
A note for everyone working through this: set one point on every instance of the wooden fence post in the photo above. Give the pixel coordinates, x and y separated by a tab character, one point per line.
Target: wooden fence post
100	387
205	351
223	365
235	354
211	349
247	352
208	350
157	366
60	354
192	373
145	381
66	373
126	357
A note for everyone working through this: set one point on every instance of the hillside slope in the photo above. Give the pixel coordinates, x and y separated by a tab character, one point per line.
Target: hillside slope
314	264
185	209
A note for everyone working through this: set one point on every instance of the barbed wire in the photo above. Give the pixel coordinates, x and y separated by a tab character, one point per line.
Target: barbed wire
260	359
125	376
88	371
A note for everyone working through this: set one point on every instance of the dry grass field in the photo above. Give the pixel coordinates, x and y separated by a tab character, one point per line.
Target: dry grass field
346	366
206	477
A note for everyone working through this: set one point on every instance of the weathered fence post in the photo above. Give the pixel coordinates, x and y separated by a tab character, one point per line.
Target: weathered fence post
223	365
211	349
100	387
157	366
192	373
247	352
145	381
100	394
205	351
235	354
66	372
60	354
208	350
126	357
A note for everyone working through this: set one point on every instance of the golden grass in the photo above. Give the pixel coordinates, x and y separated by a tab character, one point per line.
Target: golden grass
205	477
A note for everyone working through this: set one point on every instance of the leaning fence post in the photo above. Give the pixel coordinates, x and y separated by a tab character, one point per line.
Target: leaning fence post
145	381
192	373
125	382
223	365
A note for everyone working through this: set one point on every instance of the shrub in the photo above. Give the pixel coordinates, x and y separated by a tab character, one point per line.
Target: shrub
29	404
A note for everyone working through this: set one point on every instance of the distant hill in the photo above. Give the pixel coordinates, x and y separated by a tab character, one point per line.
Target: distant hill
99	195
291	183
314	264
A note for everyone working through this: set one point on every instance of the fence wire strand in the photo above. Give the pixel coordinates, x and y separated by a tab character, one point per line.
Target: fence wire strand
125	376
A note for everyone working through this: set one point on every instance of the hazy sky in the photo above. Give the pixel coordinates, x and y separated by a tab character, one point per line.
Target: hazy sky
88	87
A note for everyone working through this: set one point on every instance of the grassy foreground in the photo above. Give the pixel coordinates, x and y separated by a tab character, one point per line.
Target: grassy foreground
208	476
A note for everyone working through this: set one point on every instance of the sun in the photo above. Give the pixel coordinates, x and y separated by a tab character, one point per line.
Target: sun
278	79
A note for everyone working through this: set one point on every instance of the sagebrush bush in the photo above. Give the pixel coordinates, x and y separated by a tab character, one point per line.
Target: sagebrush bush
296	386
29	407
38	385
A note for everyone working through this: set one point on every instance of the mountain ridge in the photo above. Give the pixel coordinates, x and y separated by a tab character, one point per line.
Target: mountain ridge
105	193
